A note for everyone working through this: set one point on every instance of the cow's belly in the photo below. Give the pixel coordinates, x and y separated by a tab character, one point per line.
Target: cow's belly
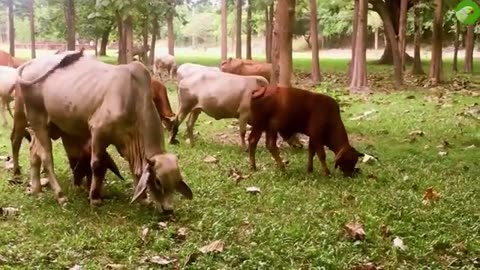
219	109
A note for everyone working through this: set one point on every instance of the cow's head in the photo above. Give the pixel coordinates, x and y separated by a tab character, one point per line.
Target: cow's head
231	65
346	159
162	177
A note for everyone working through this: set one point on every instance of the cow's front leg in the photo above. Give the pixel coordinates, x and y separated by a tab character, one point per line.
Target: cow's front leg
98	169
43	139
16	137
182	114
253	139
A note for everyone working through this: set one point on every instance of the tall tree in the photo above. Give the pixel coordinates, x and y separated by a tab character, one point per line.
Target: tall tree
238	30
417	62
128	35
249	30
269	32
285	19
223	26
104	39
402	31
145	33
31	19
354	39
456	45
170	33
314	37
11	27
155	28
436	62
69	10
469	45
359	82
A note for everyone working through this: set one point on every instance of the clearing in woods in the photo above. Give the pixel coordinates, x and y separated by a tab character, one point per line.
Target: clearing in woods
424	137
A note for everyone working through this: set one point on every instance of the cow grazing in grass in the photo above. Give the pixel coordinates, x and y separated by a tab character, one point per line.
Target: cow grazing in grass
165	62
247	67
160	99
112	104
291	110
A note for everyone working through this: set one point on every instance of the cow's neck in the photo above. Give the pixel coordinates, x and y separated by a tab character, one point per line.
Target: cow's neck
153	131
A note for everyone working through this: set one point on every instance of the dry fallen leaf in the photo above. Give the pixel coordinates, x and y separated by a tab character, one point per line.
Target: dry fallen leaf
430	196
368	159
398	243
215	246
8	211
160	260
144	234
162	225
76	267
355	230
442	153
253	190
365	266
181	234
470	147
210	159
237	175
114	266
416	133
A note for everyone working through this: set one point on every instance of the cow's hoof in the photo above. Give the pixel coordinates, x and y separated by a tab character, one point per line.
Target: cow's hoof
62	200
174	141
145	202
95	202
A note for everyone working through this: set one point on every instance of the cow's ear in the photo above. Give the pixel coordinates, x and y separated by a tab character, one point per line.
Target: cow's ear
141	185
183	188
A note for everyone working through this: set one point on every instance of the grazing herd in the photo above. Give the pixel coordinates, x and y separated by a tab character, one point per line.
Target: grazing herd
91	105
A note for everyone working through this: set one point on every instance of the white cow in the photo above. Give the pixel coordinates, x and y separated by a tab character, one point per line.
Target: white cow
165	62
111	103
220	95
8	78
187	69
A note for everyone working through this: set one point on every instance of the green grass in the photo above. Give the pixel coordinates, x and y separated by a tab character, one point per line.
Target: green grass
297	220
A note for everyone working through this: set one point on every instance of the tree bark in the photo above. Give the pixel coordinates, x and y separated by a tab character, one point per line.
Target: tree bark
390	30
359	82
314	38
128	34
456	45
224	33
69	11
238	30
285	20
171	37
153	42
31	18
249	31
376	38
469	46
275	52
417	68
121	39
104	40
269	33
96	46
145	40
436	62
11	27
402	32
354	40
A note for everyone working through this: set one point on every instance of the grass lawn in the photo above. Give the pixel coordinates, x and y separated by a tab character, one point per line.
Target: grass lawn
297	221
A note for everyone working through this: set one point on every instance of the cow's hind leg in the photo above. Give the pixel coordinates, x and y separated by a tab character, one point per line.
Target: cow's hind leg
242	122
35	164
253	139
98	169
322	157
191	123
16	136
182	114
271	141
41	134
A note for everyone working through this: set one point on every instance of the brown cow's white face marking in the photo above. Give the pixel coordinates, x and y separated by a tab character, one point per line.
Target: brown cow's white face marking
162	177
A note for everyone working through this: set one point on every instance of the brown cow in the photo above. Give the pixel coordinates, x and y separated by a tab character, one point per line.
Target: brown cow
246	67
291	110
7	60
160	99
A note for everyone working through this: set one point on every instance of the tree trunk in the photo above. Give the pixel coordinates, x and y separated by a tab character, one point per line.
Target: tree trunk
376	38
69	11
121	39
249	30
96	46
469	46
359	81
285	19
436	62
402	32
354	40
417	62
238	30
171	37
145	40
128	35
268	33
104	41
456	44
155	28
390	30
11	27
31	18
275	53
224	33
314	38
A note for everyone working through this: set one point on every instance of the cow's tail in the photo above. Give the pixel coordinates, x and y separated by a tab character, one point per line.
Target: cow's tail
68	60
